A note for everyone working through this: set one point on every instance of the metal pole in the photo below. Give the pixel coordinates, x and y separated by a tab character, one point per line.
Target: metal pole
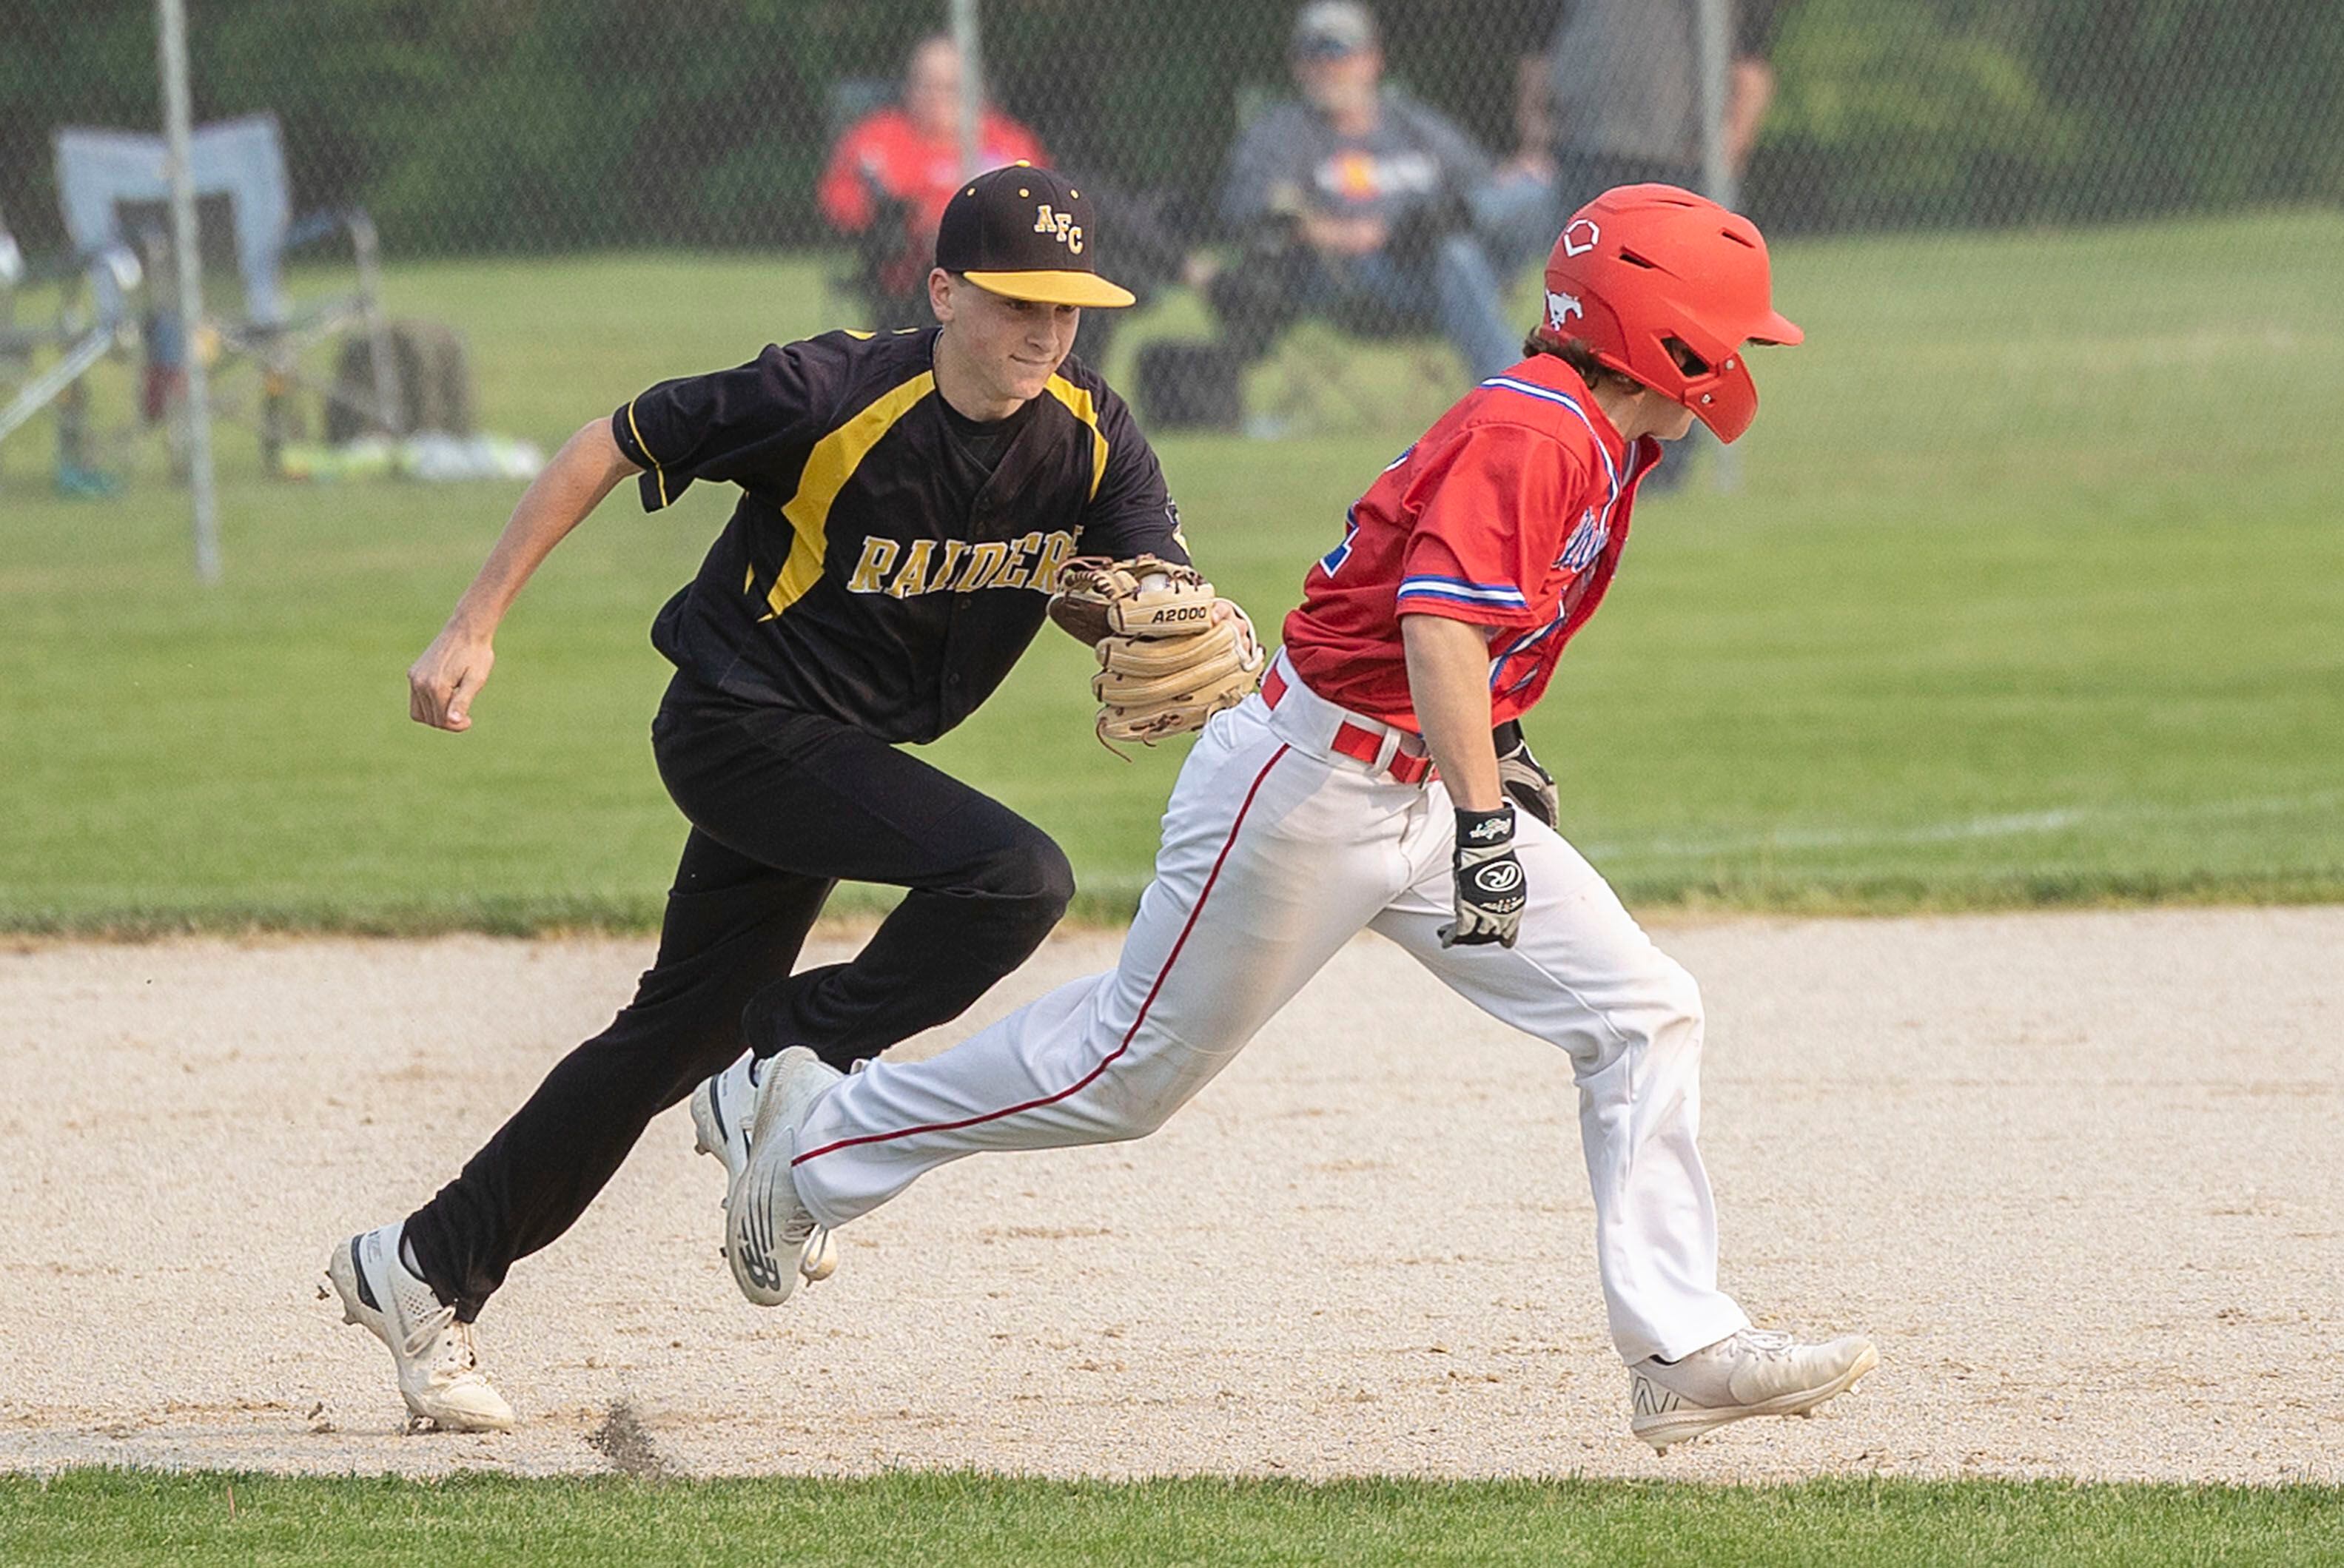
970	45
1714	49
171	28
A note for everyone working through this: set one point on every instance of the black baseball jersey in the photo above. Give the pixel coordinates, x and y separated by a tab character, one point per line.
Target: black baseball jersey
888	561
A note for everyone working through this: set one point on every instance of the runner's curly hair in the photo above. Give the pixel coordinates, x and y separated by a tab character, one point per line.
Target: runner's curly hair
1580	356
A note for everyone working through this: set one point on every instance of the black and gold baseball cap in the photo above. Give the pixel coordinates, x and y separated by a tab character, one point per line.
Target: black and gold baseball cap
1026	233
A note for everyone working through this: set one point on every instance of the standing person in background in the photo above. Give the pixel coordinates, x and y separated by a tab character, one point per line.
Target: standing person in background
1616	100
1355	202
891	173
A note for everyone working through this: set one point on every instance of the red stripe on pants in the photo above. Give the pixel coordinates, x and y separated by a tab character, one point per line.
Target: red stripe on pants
1124	1044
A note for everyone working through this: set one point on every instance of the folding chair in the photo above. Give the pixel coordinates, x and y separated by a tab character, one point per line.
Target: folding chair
72	339
105	176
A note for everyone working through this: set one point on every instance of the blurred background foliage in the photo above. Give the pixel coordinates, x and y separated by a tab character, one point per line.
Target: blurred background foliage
485	126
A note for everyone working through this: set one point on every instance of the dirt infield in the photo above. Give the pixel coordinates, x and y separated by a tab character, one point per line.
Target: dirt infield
2081	1174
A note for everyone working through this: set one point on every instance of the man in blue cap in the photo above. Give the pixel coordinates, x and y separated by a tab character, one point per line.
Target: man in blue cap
1353	203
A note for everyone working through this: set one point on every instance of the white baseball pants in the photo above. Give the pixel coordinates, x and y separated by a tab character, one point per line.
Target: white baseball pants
1278	849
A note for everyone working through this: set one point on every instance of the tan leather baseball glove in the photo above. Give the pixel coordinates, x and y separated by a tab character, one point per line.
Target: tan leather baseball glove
1171	652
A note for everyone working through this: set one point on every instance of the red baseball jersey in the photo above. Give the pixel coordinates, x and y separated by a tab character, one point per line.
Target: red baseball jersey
1509	513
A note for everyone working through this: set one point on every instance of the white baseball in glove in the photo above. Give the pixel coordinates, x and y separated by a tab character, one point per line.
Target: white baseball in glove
1171	652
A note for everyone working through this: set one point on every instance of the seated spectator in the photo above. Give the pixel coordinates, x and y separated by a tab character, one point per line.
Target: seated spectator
1354	203
894	170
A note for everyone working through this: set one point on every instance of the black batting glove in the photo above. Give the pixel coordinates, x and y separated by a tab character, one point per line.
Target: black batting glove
1490	894
1531	786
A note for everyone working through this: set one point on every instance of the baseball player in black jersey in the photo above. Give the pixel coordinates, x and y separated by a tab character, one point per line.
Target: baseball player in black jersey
905	502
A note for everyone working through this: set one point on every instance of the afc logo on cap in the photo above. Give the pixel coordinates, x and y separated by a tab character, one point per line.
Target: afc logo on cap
1060	225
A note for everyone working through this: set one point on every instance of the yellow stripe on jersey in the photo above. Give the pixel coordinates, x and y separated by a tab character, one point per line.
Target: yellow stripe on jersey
828	467
1078	402
636	430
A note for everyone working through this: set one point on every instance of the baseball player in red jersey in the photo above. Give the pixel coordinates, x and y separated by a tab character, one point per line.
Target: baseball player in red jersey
1367	787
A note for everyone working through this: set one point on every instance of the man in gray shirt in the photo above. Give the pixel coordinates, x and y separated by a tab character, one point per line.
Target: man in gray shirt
1616	100
1354	203
1620	98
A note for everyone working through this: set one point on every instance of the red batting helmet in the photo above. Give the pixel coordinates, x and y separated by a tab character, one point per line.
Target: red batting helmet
1666	287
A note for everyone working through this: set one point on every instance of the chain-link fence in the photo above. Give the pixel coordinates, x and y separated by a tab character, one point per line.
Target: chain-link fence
477	125
1245	172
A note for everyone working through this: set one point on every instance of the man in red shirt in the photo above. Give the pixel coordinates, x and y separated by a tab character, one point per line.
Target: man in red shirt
1367	788
894	170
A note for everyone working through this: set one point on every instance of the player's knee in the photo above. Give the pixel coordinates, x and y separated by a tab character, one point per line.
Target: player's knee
1033	882
1126	1116
1676	1004
1656	1024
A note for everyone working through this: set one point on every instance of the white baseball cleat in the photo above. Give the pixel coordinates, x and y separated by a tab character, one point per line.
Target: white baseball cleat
724	1109
1757	1371
721	1109
770	1238
439	1374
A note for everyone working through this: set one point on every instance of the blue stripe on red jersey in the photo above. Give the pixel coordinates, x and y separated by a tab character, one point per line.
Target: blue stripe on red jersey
1428	586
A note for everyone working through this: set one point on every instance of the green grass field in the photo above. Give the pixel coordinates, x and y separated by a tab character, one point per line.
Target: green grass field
2029	594
99	1517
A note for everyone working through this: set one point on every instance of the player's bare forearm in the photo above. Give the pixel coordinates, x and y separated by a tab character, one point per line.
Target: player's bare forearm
441	684
587	468
1448	686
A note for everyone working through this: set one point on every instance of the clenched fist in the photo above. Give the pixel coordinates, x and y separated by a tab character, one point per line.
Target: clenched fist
441	684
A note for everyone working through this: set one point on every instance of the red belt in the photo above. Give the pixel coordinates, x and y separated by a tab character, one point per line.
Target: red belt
1356	741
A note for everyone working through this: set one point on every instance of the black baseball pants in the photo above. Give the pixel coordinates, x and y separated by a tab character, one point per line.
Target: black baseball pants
783	806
